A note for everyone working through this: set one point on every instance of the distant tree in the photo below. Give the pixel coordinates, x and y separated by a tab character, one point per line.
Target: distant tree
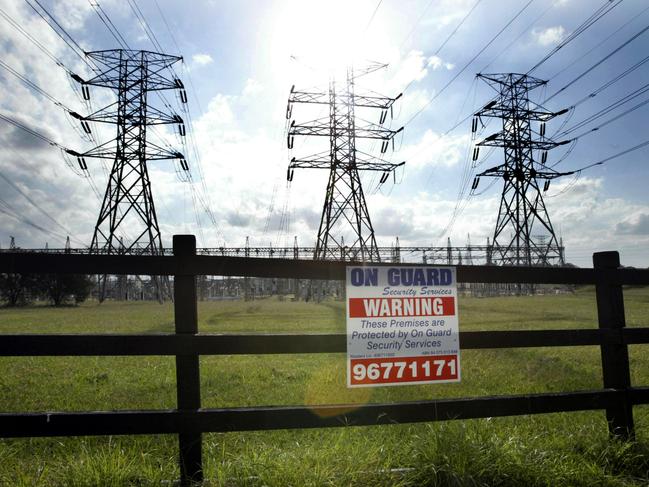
62	289
18	289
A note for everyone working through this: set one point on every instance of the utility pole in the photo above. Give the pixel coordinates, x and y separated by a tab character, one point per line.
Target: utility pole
128	206
522	209
344	210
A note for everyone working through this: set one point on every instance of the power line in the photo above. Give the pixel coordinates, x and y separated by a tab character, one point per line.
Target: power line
32	39
589	22
616	104
46	95
457	27
145	25
76	48
599	13
582	28
204	197
448	38
457	75
599	44
23	127
611	120
105	19
36	205
9	210
34	133
376	9
34	86
612	81
71	43
59	26
598	63
619	154
164	19
523	32
414	27
56	61
30	131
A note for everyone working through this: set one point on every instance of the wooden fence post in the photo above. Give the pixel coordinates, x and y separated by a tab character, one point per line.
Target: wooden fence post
188	386
615	357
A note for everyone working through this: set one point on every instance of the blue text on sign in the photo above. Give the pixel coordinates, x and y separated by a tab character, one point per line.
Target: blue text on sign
403	276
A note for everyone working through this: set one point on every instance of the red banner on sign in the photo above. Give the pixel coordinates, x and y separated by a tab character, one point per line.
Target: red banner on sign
387	307
403	369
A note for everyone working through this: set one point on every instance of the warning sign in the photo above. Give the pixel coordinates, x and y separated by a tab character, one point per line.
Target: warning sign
402	326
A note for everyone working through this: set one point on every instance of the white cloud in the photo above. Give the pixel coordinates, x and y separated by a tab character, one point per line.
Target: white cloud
572	213
72	14
637	224
411	102
549	36
219	113
571	206
436	62
448	12
410	68
434	150
252	88
202	59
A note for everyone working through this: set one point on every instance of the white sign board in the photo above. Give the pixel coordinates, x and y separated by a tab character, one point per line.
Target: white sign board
402	326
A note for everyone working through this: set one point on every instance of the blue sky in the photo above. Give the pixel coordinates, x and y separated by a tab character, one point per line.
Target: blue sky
240	60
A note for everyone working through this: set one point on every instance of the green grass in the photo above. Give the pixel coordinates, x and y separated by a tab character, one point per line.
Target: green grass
554	449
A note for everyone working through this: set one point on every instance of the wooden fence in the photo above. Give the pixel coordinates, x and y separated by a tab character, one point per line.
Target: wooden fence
189	420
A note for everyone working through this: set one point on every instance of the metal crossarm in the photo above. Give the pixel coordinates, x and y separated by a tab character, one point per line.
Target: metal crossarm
128	206
322	129
524	234
346	231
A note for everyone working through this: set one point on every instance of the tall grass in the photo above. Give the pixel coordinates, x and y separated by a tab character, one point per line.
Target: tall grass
553	449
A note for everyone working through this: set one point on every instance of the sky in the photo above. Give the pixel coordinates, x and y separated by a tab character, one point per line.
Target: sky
240	59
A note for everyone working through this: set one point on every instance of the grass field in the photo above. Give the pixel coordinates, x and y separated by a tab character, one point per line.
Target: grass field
556	449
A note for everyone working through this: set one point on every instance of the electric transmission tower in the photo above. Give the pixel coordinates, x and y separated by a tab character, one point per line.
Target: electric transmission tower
128	208
345	209
522	209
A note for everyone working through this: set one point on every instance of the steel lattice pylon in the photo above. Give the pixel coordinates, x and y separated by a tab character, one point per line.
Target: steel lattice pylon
128	206
522	209
345	208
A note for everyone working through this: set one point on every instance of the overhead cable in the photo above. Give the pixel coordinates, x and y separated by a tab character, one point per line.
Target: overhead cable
598	63
615	156
604	111
457	75
71	43
34	86
32	39
30	131
589	22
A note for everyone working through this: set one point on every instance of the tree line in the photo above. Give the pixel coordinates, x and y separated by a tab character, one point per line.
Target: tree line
57	289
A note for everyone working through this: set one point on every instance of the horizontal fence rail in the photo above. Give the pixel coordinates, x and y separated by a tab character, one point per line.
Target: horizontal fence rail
291	417
189	420
288	268
286	343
